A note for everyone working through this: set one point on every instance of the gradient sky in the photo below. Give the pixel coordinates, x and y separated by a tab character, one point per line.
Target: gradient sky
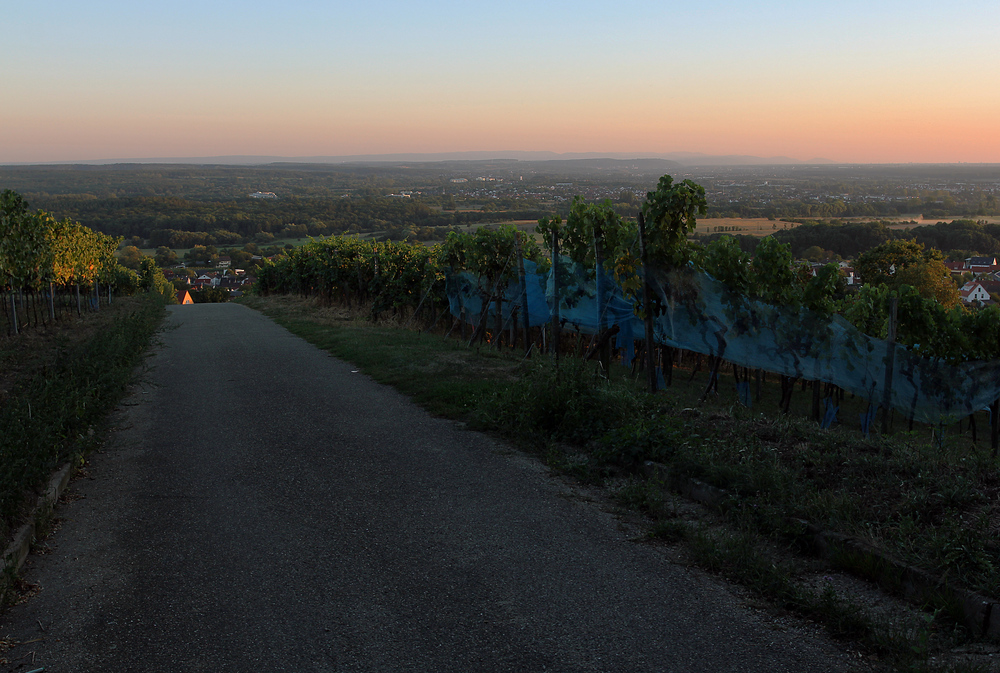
850	81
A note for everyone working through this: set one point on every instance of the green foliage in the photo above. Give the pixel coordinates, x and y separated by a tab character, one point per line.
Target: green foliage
821	290
390	274
210	295
775	279
651	438
847	240
726	261
981	331
36	249
548	226
923	324
591	224
152	280
25	255
897	263
130	256
670	212
560	405
491	254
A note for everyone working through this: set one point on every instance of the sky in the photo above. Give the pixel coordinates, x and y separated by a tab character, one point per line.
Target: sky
879	81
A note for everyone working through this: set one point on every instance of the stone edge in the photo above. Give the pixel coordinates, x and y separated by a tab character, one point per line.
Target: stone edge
17	551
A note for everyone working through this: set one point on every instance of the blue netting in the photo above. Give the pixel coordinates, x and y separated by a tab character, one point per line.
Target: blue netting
703	316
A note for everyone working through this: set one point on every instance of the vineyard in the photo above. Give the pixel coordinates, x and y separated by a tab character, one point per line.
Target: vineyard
895	346
50	269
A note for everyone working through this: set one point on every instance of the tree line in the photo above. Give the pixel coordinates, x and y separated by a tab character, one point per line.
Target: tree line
183	223
836	239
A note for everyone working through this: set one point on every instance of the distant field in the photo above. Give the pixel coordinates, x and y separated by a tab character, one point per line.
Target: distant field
750	226
760	226
922	221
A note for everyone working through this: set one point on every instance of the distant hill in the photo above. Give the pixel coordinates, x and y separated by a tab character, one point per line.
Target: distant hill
672	159
697	159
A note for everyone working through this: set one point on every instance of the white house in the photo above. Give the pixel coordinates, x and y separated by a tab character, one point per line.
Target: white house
973	292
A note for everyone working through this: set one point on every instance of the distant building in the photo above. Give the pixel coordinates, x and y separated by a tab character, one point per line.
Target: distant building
184	297
974	292
263	195
981	264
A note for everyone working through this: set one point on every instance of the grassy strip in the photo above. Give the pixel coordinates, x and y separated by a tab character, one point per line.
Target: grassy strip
928	503
442	375
47	418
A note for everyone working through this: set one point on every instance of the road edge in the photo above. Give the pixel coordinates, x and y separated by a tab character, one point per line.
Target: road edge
20	546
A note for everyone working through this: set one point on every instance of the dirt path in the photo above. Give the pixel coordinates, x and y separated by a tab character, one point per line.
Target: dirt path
262	507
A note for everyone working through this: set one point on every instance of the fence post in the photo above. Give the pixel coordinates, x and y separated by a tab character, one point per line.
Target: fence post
890	361
602	290
13	310
994	427
526	320
556	327
646	306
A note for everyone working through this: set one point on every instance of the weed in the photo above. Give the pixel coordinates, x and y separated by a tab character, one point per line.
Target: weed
559	404
671	530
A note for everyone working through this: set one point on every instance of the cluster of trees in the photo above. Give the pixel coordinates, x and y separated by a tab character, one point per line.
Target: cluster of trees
931	203
180	223
836	239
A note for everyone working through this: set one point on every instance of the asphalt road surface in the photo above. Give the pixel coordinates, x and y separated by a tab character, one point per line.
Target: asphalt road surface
263	507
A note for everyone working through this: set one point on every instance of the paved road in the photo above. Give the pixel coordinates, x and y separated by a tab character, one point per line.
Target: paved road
262	507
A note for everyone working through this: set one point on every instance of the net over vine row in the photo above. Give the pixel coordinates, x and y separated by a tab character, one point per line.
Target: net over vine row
700	314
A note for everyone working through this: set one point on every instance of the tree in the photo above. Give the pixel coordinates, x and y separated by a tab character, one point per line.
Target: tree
165	257
670	212
900	262
151	280
130	257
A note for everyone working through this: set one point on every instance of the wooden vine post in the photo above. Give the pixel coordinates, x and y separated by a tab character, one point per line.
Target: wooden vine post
556	327
524	295
890	362
13	311
602	290
647	307
995	426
